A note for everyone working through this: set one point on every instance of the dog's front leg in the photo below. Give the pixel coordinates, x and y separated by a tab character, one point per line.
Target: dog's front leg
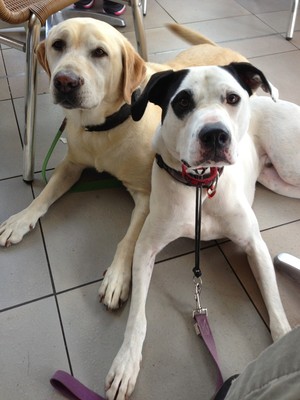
115	286
263	270
64	176
121	379
244	230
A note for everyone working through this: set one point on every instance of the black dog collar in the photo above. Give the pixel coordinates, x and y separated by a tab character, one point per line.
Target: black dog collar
112	121
117	118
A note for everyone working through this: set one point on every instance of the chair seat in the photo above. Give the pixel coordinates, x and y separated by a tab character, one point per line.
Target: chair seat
19	11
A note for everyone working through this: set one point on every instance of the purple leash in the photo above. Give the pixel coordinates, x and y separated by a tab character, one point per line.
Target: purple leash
203	330
200	314
72	388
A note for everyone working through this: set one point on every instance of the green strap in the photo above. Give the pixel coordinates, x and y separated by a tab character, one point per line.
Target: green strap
104	183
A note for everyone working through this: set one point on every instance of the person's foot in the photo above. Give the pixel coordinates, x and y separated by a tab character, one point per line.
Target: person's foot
84	4
110	7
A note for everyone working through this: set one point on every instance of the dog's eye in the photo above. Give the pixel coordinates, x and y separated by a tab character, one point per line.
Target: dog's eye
183	103
232	99
59	45
98	53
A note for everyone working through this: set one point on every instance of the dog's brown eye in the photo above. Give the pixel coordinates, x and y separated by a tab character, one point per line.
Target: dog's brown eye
97	53
232	99
59	45
184	102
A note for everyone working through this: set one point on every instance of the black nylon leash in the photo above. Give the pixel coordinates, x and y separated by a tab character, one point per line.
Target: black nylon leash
196	270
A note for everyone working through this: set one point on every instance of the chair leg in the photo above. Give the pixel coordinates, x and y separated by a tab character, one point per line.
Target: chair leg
32	40
144	7
136	6
292	20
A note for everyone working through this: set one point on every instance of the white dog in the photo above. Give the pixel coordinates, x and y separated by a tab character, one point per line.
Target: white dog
205	120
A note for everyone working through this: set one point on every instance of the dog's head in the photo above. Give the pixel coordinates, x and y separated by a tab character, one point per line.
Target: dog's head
205	111
90	64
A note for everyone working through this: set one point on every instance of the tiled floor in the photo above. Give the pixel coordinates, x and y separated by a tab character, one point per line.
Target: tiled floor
51	318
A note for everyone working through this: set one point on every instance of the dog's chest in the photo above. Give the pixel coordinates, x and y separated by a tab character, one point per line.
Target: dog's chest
178	209
88	148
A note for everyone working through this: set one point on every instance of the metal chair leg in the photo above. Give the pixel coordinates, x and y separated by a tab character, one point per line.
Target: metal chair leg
136	6
32	40
292	20
144	7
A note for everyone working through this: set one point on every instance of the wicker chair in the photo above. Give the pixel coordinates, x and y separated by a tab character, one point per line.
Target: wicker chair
37	13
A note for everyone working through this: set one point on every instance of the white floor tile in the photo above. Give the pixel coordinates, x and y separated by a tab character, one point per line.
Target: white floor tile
32	349
24	273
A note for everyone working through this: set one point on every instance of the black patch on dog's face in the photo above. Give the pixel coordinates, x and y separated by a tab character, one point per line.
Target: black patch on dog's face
159	90
183	103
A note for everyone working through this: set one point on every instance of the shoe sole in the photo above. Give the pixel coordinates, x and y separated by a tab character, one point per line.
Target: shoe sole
116	13
86	7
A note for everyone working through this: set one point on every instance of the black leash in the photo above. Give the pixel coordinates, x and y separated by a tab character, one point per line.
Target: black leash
196	269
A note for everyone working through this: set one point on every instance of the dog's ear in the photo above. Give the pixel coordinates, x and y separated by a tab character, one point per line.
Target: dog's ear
251	78
158	90
134	71
41	56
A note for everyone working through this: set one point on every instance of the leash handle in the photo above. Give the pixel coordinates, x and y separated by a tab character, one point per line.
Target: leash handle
71	388
203	330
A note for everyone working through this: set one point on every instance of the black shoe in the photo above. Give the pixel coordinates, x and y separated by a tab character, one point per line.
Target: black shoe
110	7
84	4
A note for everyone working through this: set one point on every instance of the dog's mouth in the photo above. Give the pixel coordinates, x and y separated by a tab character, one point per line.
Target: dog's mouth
196	176
67	102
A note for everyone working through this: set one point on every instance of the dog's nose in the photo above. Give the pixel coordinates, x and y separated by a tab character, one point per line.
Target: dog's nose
214	135
66	82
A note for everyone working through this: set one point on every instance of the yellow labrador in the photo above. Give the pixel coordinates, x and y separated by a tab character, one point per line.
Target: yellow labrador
93	72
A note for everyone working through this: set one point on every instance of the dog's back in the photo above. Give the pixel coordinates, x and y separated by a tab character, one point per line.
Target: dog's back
203	52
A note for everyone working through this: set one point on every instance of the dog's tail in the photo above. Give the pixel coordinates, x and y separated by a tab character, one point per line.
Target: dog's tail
189	35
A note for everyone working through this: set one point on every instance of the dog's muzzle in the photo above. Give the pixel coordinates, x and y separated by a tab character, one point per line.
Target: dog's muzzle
215	144
66	88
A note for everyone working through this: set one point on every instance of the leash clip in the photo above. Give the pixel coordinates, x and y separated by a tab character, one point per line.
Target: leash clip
198	288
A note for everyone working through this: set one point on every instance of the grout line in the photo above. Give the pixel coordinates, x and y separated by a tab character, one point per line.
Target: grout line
11	177
47	296
25	303
79	286
56	299
203	247
280	225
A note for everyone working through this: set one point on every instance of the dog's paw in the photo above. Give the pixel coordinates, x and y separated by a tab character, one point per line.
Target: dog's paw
115	287
121	379
13	230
